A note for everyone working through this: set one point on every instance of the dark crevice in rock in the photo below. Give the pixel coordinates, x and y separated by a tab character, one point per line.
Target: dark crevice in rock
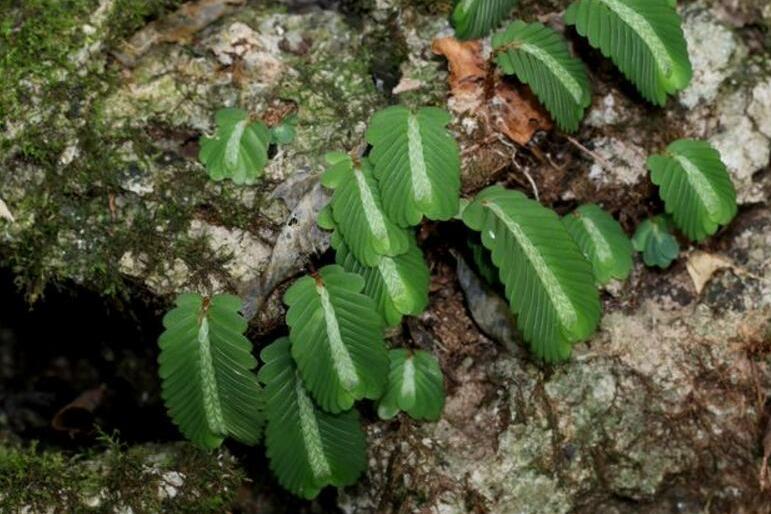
74	341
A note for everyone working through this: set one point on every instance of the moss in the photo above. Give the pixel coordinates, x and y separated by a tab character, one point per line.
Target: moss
333	95
337	88
146	478
55	102
129	190
38	36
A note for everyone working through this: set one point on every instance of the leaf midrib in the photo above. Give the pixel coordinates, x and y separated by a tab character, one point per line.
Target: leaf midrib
421	184
642	27
372	214
393	280
211	400
341	358
705	192
233	146
602	246
407	389
560	73
309	427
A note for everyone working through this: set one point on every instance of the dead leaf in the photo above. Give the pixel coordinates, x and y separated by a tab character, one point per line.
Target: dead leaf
476	89
702	265
468	72
5	213
78	415
517	115
464	59
299	238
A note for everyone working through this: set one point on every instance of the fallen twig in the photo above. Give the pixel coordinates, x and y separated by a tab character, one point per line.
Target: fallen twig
520	168
594	155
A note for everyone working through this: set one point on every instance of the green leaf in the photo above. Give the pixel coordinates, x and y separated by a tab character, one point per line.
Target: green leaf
602	241
415	386
308	448
654	239
238	150
325	219
474	19
644	39
358	211
398	285
337	338
695	186
205	366
417	163
549	284
540	57
284	133
483	264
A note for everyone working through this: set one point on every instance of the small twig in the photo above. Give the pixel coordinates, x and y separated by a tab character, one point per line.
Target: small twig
517	165
597	157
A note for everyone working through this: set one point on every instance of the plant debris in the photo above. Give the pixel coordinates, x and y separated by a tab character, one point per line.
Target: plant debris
503	106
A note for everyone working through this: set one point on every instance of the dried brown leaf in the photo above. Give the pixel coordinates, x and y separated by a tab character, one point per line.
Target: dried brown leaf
505	108
702	265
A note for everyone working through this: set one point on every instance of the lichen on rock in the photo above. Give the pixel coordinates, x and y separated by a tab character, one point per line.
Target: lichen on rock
129	151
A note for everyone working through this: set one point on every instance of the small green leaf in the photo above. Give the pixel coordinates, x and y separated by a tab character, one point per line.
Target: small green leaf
540	57
654	239
308	448
337	338
239	149
205	368
358	211
548	282
474	19
417	163
325	219
602	241
284	133
695	186
415	386
644	39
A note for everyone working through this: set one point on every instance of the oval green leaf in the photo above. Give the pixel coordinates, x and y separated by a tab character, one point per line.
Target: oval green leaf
337	338
548	282
602	241
238	150
357	210
417	163
540	57
415	386
695	186
205	367
308	448
654	239
643	38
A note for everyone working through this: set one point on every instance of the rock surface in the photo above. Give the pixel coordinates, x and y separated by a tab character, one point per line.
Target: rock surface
664	410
